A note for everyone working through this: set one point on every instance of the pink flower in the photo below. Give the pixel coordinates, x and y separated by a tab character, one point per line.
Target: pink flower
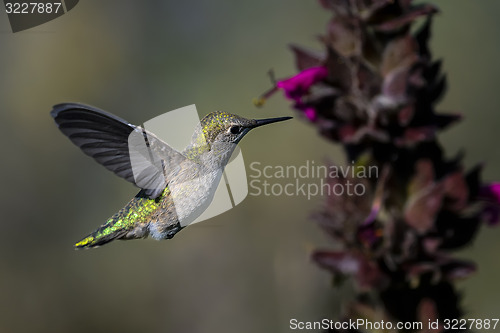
296	87
299	85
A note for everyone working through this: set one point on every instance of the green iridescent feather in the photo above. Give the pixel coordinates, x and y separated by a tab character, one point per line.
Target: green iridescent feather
138	211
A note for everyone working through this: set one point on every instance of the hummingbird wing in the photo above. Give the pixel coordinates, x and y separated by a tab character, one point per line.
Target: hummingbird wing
129	151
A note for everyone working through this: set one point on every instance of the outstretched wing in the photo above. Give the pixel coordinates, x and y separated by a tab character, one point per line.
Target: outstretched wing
125	149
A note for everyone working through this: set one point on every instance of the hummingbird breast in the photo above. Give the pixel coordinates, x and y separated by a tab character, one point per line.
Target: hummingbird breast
189	194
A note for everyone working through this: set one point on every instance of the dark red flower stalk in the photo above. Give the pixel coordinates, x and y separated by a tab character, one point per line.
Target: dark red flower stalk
373	89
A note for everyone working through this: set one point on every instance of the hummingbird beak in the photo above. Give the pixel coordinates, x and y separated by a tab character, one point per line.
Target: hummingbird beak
260	122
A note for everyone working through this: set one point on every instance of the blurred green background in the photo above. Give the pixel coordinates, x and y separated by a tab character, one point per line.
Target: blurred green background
247	270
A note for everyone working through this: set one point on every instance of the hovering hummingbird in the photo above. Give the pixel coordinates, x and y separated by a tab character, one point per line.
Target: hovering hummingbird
176	187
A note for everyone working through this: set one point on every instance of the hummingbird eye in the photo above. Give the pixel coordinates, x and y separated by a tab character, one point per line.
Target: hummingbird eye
235	129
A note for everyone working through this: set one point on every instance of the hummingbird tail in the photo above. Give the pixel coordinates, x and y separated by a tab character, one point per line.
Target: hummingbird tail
131	222
101	236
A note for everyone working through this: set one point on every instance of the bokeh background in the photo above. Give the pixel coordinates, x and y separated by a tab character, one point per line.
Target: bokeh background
247	270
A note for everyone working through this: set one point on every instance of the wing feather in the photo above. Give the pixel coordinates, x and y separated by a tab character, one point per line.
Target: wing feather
127	150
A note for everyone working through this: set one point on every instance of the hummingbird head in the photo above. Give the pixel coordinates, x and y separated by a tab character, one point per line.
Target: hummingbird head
225	127
219	132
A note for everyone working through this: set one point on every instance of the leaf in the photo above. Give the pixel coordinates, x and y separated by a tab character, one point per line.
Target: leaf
473	179
431	72
457	269
403	20
399	53
405	115
306	58
423	177
422	37
337	262
339	73
369	81
414	135
443	121
425	198
456	189
396	83
344	36
456	231
365	271
436	90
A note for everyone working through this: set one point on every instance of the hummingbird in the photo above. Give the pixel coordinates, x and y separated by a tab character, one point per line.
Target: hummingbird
175	187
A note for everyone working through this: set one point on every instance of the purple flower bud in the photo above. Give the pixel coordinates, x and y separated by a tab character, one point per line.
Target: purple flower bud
490	194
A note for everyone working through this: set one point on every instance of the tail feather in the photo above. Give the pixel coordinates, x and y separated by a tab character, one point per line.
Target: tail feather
93	241
131	222
101	236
